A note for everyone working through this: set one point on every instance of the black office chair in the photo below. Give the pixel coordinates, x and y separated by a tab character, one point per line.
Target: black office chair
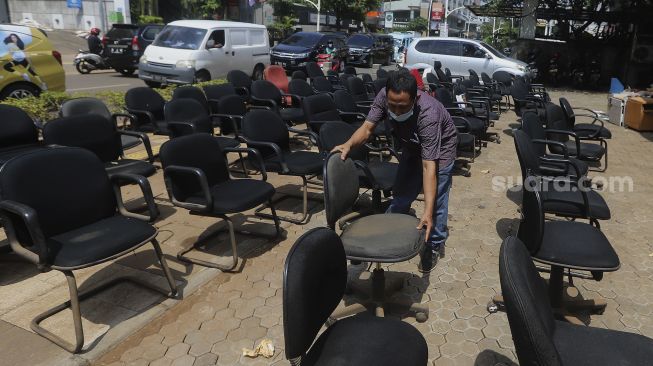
540	339
361	92
595	130
382	238
571	245
320	109
578	202
216	92
186	116
232	110
18	134
300	88
299	75
192	92
147	105
583	148
477	126
61	211
313	70
524	100
378	85
265	131
487	91
89	105
99	135
350	70
466	142
314	280
382	74
367	78
264	93
321	84
241	81
376	174
197	179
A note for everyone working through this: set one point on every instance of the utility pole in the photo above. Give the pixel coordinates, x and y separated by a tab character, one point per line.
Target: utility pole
103	16
317	6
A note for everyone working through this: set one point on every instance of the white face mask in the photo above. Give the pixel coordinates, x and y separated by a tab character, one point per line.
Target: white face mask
402	117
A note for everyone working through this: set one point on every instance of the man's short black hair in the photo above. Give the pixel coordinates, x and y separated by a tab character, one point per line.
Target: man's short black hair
401	81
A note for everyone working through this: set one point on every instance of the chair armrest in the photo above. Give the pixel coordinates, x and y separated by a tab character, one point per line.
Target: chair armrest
251	106
368	173
249	150
467	126
140	112
565	151
230	117
568	133
266	102
271	145
144	185
568	162
365	103
146	142
457	77
170	171
312	136
30	218
177	125
383	147
128	116
352	114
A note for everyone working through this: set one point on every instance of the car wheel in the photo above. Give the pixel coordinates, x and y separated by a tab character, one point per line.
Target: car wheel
258	73
126	72
152	84
20	91
202	76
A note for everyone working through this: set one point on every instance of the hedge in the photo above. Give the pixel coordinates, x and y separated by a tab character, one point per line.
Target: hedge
46	106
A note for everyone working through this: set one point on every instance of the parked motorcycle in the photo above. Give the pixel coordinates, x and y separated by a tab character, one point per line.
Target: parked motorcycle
555	70
336	65
531	60
85	62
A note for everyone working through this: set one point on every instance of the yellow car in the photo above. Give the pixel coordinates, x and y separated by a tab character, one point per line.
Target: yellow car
28	64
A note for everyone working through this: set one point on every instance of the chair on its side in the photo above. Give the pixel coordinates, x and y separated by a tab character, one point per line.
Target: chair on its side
382	238
89	105
147	105
540	339
197	179
75	221
99	135
18	134
314	278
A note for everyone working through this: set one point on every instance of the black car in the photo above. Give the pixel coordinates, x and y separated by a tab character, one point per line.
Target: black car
124	45
295	51
367	49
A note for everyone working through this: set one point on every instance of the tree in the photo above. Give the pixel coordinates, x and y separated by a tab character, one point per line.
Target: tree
284	11
206	9
503	33
355	9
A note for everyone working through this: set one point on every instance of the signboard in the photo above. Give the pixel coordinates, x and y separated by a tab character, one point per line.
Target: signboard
389	19
437	11
313	18
75	4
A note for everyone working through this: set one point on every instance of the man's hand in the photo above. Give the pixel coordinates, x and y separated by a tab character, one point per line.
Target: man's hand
343	149
426	221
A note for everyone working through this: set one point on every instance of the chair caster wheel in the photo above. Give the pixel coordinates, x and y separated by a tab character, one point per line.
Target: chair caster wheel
492	307
421	317
599	311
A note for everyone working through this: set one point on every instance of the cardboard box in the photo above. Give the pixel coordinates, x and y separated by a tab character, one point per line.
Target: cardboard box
639	114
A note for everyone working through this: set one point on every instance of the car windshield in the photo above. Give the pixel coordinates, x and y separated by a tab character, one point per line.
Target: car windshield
493	50
360	41
121	32
184	38
302	39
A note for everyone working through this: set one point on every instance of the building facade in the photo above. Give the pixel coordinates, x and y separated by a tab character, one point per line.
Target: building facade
70	14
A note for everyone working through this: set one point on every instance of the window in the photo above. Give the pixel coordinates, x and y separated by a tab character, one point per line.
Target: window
256	37
150	33
361	41
218	37
472	50
185	38
238	37
121	32
303	39
438	47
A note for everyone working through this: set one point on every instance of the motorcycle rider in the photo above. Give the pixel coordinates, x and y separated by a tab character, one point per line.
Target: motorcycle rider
94	41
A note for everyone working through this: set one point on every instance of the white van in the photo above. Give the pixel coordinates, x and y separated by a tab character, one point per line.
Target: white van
460	55
188	51
401	42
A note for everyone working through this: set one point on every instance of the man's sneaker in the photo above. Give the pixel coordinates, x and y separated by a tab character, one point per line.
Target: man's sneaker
428	259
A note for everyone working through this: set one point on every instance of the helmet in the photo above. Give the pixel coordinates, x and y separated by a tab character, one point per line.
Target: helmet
95	31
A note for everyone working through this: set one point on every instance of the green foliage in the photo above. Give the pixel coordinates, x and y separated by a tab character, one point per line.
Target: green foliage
503	35
150	19
355	10
206	9
285	15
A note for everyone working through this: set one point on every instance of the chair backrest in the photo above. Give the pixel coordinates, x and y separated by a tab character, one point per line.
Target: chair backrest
18	128
340	187
381	74
357	89
277	76
342	79
333	134
199	151
531	125
344	101
367	78
187	110
263	89
503	77
314	281
528	158
350	70
447	73
239	79
89	131
431	78
267	126
473	77
555	119
487	80
68	188
568	112
444	96
300	87
320	83
379	84
234	105
218	91
146	99
313	70
82	106
299	74
437	66
320	107
191	92
527	305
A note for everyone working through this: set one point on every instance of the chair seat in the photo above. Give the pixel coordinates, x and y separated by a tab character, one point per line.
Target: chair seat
477	125
584	346
466	140
130	166
576	245
292	114
588	151
384	238
384	172
549	168
298	162
236	195
364	339
98	242
570	203
161	125
129	141
227	142
587	129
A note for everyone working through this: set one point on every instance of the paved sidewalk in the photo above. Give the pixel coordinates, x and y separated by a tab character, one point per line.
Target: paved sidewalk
222	313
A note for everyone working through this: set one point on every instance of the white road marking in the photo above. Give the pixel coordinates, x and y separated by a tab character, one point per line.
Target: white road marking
98	87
